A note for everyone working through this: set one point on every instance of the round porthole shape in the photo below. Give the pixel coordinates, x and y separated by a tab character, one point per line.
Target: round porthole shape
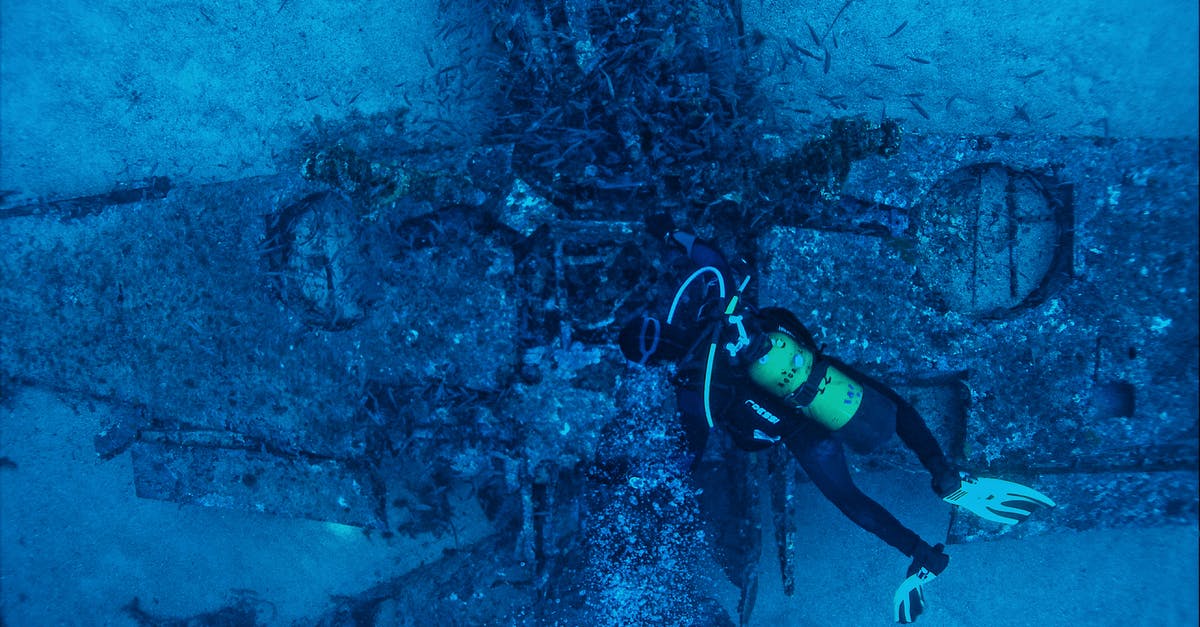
316	261
991	240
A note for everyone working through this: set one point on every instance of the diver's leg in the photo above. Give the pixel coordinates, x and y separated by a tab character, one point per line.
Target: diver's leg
915	434
825	462
872	425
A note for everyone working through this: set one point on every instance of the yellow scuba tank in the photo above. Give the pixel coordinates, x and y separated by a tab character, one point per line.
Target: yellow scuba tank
785	369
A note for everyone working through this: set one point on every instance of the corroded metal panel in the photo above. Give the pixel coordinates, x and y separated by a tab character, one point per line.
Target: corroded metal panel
320	489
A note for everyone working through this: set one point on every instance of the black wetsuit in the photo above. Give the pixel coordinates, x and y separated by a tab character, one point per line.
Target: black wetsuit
756	420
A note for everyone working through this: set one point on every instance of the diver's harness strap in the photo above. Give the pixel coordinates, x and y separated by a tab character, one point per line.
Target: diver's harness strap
804	395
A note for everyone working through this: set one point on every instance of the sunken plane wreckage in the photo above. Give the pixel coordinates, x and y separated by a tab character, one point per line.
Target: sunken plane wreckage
414	322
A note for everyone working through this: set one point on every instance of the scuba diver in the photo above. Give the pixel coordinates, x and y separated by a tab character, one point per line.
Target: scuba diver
761	376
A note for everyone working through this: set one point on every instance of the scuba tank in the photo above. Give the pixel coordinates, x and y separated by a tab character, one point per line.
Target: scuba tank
792	372
775	361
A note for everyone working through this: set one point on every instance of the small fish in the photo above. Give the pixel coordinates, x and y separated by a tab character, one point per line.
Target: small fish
1030	75
804	51
898	29
813	33
919	60
838	15
885	66
836	101
914	94
828	60
785	62
874	97
450	27
918	108
1020	113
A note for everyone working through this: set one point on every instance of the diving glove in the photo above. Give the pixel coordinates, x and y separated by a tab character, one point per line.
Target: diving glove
997	500
946	479
909	600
